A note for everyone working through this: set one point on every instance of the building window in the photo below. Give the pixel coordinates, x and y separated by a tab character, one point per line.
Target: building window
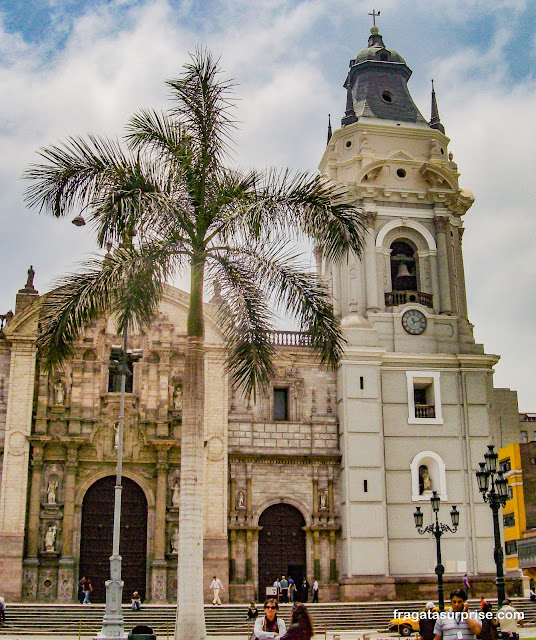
510	492
114	378
510	546
524	436
403	267
505	465
424	397
280	404
509	520
534	435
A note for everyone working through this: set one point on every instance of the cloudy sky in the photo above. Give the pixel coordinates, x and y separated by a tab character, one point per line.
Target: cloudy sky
76	66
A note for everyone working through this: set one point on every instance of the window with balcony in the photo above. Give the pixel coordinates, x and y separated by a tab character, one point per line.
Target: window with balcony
505	465
424	397
510	546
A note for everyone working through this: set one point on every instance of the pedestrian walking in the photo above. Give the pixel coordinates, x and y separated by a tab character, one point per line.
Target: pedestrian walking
136	601
454	626
304	591
291	589
217	586
87	589
2	610
269	626
427	622
315	591
301	625
81	589
284	589
489	624
508	617
466	584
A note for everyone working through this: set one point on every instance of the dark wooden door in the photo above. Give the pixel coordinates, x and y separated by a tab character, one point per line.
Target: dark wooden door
281	545
96	538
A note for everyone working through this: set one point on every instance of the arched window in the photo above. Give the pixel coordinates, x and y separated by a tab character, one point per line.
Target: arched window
403	267
427	475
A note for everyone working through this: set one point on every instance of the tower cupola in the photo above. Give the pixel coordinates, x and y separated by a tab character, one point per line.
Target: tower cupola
376	85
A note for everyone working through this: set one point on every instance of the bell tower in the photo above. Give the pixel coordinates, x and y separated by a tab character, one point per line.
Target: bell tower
414	387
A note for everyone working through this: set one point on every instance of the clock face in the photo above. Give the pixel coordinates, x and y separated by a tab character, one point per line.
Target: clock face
414	322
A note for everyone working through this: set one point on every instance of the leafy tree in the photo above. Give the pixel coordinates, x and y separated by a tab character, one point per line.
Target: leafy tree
170	185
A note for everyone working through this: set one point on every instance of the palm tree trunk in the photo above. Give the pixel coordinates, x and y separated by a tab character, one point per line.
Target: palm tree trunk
190	623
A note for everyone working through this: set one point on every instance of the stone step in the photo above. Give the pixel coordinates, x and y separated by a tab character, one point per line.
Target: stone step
222	620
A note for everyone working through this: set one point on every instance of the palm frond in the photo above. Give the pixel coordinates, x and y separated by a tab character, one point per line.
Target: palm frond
244	314
127	284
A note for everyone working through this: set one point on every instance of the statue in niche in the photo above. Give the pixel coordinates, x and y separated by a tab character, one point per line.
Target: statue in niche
324	500
59	392
51	491
50	537
174	541
177	397
425	482
175	494
116	436
240	500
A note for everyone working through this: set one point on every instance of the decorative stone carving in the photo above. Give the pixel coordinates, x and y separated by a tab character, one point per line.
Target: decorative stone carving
215	449
425	482
51	491
50	538
29	583
241	500
59	392
17	443
176	493
158	586
323	500
174	542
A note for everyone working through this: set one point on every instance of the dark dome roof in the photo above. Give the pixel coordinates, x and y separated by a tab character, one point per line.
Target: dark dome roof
377	51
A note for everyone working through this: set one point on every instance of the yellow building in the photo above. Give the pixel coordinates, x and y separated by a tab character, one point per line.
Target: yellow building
514	517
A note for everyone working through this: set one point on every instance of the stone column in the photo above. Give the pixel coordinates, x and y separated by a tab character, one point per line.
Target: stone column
316	555
315	494
159	564
232	498
31	563
249	496
461	275
331	500
371	270
441	225
333	573
66	577
249	555
14	491
232	556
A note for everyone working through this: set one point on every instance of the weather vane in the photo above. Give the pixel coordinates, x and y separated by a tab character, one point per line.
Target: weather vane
374	14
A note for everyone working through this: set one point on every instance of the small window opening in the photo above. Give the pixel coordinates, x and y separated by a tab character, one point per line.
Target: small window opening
361	382
384	56
365	486
280	404
401	173
403	267
423	396
387	96
114	378
348	143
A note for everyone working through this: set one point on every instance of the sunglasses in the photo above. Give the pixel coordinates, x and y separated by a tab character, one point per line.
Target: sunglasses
268	607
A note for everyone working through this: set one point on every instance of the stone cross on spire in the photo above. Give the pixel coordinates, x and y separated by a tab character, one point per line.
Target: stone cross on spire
374	14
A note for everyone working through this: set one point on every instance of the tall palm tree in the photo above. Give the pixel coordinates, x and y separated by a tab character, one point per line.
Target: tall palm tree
190	211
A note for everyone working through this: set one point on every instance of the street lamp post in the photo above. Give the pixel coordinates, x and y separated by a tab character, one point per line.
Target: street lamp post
494	489
112	623
437	529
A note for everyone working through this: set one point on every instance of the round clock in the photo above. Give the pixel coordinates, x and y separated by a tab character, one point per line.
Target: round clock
414	322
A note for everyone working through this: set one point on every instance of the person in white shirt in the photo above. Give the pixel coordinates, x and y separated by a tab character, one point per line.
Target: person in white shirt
2	610
315	591
216	585
508	617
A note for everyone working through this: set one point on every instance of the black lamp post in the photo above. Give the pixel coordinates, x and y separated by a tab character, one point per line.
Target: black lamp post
438	529
495	493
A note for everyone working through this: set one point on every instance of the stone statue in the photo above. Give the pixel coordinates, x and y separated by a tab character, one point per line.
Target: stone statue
50	537
175	542
177	397
116	435
51	491
240	500
59	392
425	482
29	281
323	500
175	494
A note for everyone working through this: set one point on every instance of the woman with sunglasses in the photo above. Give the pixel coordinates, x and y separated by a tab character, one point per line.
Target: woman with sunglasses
269	626
301	625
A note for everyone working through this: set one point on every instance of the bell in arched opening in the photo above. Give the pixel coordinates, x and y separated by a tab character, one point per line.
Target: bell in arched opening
403	267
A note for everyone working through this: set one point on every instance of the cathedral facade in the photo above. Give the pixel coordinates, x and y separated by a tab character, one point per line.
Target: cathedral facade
319	476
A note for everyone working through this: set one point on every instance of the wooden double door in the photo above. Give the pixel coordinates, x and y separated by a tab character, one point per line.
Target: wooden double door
96	537
282	550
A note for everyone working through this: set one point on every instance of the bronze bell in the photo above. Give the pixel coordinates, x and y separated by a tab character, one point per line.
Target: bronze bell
403	271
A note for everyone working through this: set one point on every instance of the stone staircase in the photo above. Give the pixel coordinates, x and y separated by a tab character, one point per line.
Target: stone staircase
66	619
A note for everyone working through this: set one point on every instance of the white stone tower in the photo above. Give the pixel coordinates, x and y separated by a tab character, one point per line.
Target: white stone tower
414	388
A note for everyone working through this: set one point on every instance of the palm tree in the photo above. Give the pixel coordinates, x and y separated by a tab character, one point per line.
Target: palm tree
190	211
